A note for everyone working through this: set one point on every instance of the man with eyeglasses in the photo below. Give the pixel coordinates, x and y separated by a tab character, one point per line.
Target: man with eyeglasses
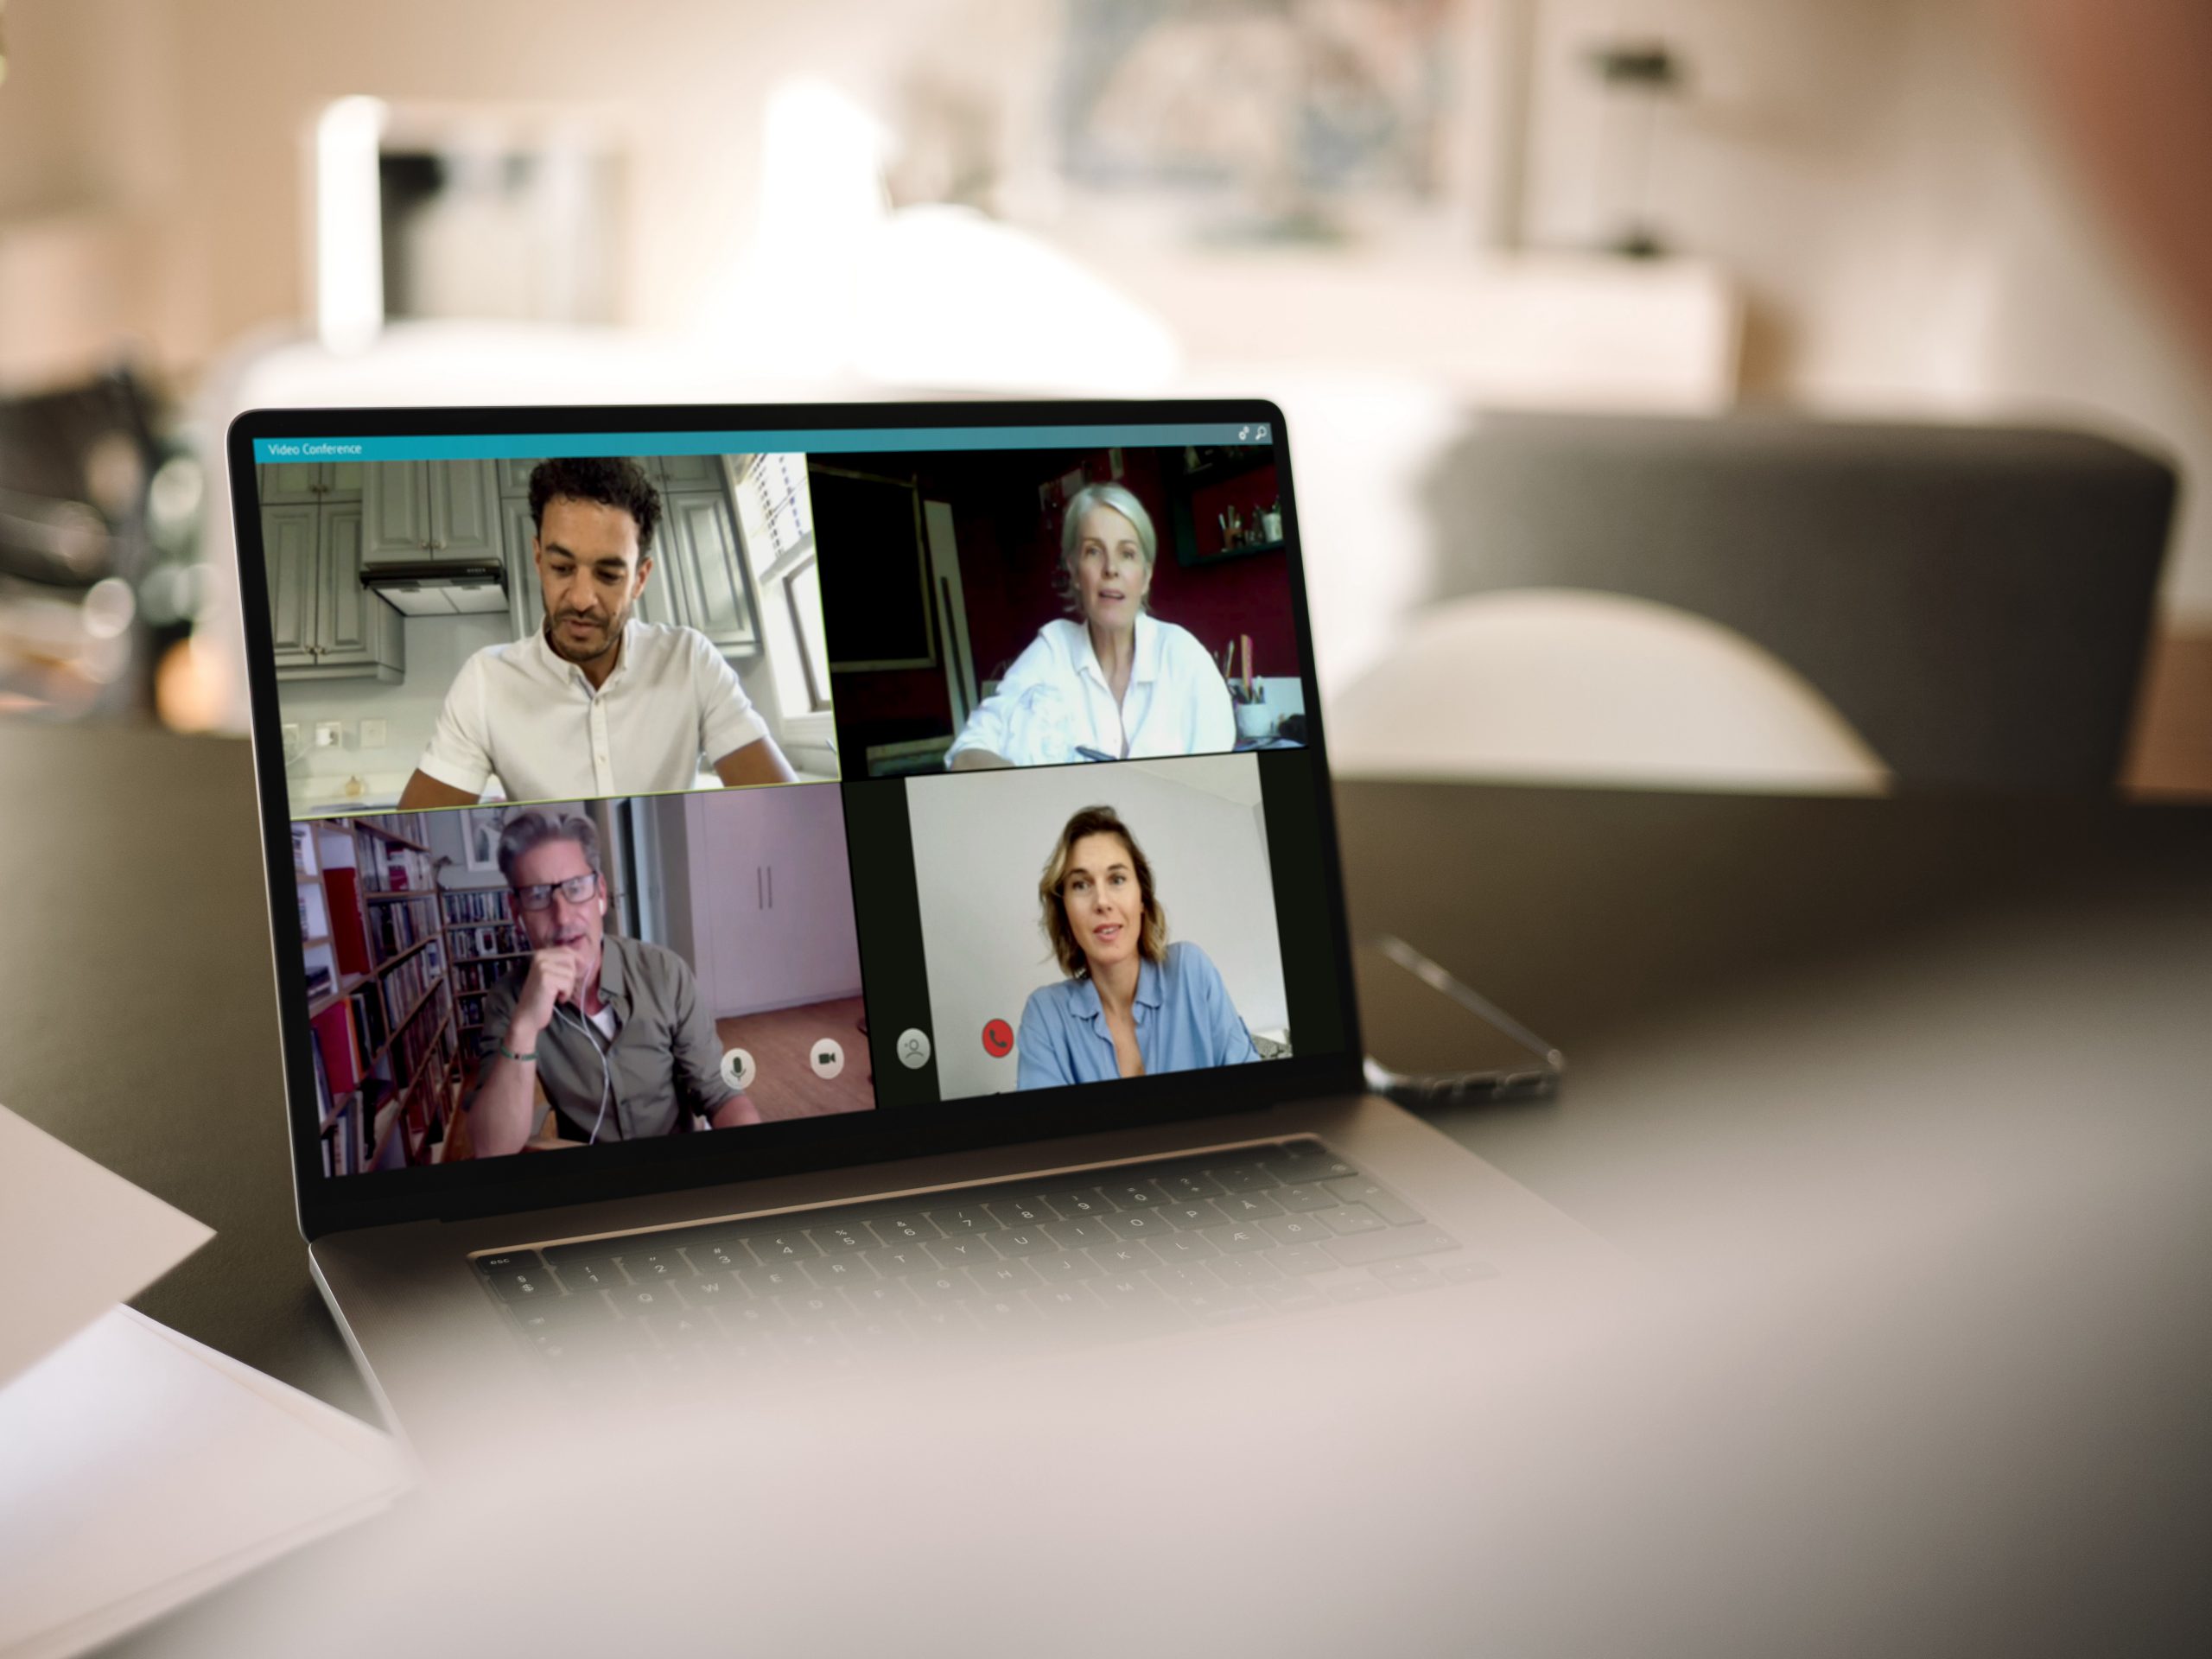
613	1028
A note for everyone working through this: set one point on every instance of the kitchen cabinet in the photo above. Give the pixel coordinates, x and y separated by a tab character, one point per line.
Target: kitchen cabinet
324	624
526	598
440	511
710	591
308	482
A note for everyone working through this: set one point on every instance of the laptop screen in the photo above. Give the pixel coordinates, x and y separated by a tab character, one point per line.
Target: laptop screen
688	802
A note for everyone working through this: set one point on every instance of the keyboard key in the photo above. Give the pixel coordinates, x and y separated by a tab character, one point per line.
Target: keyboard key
1248	1206
1138	1224
1024	1240
1352	1219
1290	1296
777	1247
1020	1213
1224	1305
1183	1280
1242	1177
1388	1205
519	1283
682	1328
1081	1233
1074	1204
1189	1184
965	1218
1364	1290
564	1313
599	1274
1297	1229
1065	1267
951	1286
885	1333
1132	1257
1306	1195
1406	1276
1184	1247
1302	1260
811	1306
744	1320
777	1279
643	1265
1004	1278
832	1270
637	1300
1062	1302
1249	1268
708	1288
507	1262
958	1252
1363	1249
1133	1195
897	1261
1305	1160
727	1254
878	1296
1191	1212
837	1238
905	1230
1234	1240
940	1321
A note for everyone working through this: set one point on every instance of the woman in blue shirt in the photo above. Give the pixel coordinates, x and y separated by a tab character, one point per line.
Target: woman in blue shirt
1132	1003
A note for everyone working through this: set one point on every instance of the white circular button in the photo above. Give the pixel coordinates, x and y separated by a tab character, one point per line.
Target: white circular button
913	1049
826	1057
737	1069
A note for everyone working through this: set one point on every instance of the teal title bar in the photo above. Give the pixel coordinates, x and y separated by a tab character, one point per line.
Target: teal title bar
538	446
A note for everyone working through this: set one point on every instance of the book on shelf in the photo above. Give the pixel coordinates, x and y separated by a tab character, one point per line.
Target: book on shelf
337	1047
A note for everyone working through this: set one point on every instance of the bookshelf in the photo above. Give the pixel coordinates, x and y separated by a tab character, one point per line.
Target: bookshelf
485	943
379	993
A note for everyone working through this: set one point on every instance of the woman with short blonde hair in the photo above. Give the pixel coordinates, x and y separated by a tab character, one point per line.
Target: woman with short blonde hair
1114	683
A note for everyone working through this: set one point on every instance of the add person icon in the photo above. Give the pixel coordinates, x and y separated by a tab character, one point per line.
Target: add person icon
913	1049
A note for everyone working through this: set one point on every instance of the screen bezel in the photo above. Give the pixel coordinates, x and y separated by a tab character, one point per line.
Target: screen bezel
329	1203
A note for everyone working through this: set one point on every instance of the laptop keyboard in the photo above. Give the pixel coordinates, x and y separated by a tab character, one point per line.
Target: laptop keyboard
1127	1251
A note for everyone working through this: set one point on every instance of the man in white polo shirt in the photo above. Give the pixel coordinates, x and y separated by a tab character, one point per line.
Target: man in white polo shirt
596	702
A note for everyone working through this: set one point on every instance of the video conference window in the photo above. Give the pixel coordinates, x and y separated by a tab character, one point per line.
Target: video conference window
494	980
448	632
1044	608
1083	925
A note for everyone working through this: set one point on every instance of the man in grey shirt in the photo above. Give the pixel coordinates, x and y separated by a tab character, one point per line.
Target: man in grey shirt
612	1027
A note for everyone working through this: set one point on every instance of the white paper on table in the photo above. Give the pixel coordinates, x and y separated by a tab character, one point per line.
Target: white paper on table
98	1240
139	1468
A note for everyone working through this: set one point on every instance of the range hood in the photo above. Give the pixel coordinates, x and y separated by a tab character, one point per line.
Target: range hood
441	587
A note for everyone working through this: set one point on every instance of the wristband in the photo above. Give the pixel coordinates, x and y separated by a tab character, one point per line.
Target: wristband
509	1053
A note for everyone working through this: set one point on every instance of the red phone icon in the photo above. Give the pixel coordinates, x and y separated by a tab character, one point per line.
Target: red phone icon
998	1039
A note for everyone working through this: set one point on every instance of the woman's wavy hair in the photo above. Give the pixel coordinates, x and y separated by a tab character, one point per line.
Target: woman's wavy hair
1151	938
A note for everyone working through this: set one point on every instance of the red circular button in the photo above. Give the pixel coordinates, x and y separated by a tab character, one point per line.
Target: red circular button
998	1039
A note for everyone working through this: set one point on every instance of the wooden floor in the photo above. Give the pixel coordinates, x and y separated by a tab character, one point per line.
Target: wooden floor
2172	754
785	1085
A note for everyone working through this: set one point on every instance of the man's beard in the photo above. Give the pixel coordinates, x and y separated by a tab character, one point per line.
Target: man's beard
568	652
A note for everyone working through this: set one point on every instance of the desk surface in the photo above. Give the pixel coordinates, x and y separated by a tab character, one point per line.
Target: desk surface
1759	999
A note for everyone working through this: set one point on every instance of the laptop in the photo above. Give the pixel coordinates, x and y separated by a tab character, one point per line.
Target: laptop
810	891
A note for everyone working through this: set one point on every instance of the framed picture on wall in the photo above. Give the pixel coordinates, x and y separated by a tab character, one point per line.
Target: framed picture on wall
484	824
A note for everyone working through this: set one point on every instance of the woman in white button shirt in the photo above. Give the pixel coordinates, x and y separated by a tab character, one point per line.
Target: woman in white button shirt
1117	684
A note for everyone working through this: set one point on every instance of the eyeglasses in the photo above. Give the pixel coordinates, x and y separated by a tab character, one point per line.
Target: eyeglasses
575	890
